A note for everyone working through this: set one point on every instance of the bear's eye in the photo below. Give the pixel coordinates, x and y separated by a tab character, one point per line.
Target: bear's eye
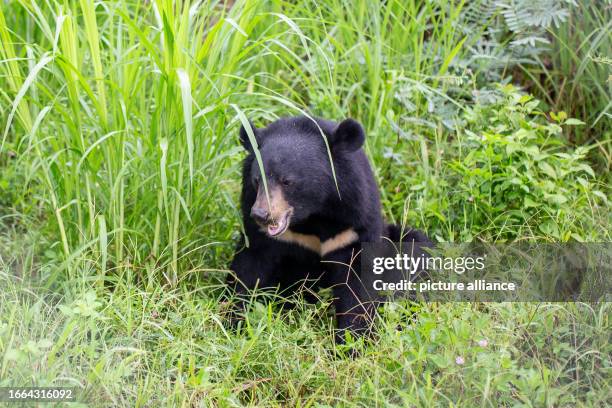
285	181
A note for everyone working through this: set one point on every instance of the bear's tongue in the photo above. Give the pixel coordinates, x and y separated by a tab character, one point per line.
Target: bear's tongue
278	228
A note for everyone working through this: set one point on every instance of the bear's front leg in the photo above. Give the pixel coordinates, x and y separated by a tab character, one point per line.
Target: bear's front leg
354	311
251	269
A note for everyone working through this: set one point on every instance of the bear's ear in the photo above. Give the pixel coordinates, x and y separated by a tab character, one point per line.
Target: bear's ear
348	136
244	137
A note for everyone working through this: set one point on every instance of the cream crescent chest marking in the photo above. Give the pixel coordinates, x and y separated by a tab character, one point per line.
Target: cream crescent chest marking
313	243
341	240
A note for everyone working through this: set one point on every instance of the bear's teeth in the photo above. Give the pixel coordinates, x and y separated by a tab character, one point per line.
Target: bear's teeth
274	229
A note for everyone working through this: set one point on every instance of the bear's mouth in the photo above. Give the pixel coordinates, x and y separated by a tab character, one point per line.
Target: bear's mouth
279	226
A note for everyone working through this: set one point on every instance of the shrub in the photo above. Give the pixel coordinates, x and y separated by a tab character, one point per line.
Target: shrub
507	174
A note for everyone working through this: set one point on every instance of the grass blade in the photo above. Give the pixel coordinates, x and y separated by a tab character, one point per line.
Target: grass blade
22	91
185	86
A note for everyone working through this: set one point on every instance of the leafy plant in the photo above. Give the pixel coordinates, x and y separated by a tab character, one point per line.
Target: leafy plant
574	75
510	32
515	172
530	20
507	174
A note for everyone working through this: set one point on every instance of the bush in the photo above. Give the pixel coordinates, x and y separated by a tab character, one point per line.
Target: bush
507	174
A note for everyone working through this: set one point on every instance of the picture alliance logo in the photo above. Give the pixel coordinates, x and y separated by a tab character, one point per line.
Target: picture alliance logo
423	262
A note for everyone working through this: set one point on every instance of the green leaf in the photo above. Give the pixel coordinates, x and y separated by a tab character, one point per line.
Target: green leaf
547	169
251	135
586	168
439	360
45	59
600	195
528	202
185	85
532	150
549	227
66	310
574	122
12	355
556	198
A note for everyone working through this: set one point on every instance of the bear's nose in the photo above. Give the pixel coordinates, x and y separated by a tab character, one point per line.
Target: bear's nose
260	214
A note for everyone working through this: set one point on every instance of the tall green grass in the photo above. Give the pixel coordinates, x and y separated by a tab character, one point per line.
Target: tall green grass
574	75
122	111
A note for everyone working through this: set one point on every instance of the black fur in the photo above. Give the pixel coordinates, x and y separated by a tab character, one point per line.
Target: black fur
295	157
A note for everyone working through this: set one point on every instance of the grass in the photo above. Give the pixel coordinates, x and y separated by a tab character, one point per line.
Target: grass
575	76
168	347
139	146
119	200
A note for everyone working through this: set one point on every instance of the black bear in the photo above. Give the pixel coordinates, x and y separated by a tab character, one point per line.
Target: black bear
307	230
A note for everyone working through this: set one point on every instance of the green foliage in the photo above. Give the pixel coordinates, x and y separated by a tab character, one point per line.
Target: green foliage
169	348
556	48
506	175
509	32
132	146
515	177
575	75
119	182
529	20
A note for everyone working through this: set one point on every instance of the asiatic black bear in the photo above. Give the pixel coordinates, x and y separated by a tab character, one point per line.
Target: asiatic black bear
307	231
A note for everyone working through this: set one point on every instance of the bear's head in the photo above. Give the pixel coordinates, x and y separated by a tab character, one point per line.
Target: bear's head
297	168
